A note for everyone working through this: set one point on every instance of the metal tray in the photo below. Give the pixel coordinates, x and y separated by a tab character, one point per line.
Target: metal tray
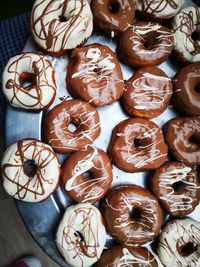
42	219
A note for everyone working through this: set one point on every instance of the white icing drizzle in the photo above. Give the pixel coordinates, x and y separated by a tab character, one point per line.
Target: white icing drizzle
148	97
179	232
54	35
151	27
18	183
37	96
184	24
178	202
81	235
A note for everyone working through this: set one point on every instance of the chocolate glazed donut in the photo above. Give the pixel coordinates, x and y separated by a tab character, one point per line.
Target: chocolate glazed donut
183	138
126	256
147	93
94	75
78	114
186	96
137	145
113	16
177	187
132	215
145	44
90	189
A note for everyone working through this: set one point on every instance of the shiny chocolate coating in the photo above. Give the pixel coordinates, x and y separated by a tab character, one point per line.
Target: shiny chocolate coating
145	44
183	138
177	187
132	215
137	145
186	96
87	189
94	75
113	16
126	256
78	113
147	93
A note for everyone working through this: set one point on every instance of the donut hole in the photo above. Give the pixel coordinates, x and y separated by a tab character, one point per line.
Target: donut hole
148	43
27	80
72	127
30	168
79	235
177	186
195	139
197	88
86	175
187	249
97	71
63	18
135	214
141	142
195	36
114	7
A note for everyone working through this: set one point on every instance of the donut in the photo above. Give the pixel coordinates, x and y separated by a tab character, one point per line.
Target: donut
87	189
113	16
179	243
30	170
126	256
28	81
177	187
147	93
185	25
94	75
81	235
137	145
183	138
71	126
145	44
186	96
132	215
159	10
58	26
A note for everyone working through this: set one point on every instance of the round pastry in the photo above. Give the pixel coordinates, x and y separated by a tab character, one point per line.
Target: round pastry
159	10
28	81
113	16
58	26
185	25
30	170
94	75
71	125
183	138
186	96
145	44
147	93
137	145
126	256
132	215
177	187
81	235
180	243
87	189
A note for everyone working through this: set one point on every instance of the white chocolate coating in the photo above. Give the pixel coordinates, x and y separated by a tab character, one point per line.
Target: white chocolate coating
55	36
37	96
81	235
161	9
184	24
176	234
16	181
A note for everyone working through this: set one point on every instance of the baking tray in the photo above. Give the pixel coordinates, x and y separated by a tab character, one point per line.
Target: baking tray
42	219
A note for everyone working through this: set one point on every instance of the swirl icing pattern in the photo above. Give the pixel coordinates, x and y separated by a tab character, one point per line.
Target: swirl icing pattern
32	185
81	235
28	81
58	26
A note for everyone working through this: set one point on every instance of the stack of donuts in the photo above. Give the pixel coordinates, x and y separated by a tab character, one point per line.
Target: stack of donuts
147	33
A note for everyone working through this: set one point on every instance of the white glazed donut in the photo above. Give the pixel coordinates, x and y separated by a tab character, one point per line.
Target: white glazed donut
159	9
28	81
186	22
30	170
81	235
179	244
60	25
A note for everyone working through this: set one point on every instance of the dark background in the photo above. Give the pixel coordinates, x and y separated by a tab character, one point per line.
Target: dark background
12	8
